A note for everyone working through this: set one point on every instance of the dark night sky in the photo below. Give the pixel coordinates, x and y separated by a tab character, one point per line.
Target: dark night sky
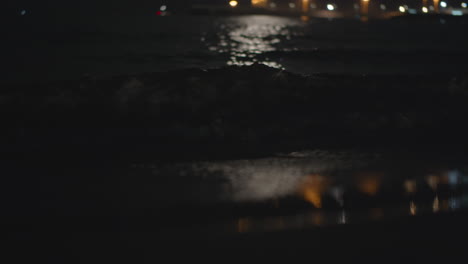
65	11
91	5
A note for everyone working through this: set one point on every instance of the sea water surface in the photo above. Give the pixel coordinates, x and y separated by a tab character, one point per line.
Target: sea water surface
278	192
290	191
108	46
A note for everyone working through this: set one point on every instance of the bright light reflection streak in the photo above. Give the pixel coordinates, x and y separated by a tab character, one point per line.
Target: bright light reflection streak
436	5
412	208
252	36
435	205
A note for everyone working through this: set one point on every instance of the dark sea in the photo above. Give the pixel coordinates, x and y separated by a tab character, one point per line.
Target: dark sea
113	45
234	136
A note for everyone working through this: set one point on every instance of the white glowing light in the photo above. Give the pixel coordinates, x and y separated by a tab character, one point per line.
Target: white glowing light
464	5
402	9
383	7
330	7
23	12
163	8
425	10
233	3
443	4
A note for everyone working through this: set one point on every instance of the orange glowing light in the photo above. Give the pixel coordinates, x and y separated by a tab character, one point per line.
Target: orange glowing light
365	10
369	182
433	181
259	3
436	5
305	6
243	225
312	189
317	218
410	186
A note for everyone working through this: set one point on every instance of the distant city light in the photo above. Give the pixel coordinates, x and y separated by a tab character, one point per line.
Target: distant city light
412	11
464	5
443	4
402	9
233	3
23	12
163	8
425	10
383	7
330	7
259	3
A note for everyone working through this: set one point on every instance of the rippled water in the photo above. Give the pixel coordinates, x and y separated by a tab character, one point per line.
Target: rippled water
146	44
244	39
308	189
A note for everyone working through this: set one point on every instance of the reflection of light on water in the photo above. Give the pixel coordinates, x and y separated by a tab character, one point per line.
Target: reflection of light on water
305	18
243	225
312	177
410	186
376	213
337	193
313	188
435	205
369	183
454	177
245	38
433	181
412	208
342	219
317	218
454	203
